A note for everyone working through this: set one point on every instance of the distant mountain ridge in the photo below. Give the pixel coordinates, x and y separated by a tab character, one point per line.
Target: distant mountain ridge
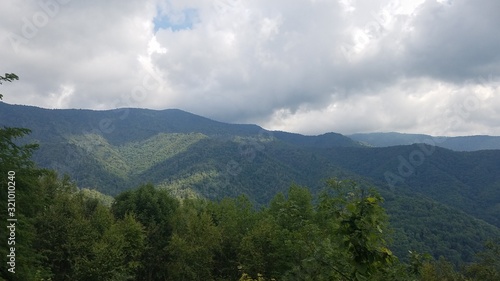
462	143
146	123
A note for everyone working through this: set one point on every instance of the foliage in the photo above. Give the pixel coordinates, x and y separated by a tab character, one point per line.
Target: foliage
155	210
440	270
18	177
8	77
194	243
361	225
79	239
487	266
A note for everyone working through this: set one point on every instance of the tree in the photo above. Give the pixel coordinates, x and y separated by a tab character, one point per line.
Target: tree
296	231
417	262
9	77
440	270
359	223
487	267
78	238
154	209
258	249
295	211
194	243
18	184
116	255
12	155
234	217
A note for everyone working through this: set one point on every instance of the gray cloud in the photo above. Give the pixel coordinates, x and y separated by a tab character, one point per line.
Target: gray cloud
454	41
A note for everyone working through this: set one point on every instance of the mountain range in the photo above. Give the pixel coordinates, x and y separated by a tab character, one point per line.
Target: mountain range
462	143
442	194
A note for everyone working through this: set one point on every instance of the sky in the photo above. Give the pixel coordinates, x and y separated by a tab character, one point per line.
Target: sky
309	66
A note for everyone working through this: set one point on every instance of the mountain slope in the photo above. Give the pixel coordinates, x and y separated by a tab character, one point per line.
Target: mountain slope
131	124
117	149
468	181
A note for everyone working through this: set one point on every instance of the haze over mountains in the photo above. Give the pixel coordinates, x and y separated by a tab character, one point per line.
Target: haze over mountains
463	143
431	192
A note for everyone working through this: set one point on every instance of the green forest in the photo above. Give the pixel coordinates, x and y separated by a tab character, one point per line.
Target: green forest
57	230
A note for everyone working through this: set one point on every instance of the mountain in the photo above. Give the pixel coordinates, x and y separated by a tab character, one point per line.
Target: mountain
114	150
117	124
439	201
463	143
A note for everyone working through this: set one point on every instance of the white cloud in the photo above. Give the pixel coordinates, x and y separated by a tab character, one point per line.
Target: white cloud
304	66
416	106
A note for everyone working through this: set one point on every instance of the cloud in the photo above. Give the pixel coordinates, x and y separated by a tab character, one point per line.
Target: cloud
454	41
303	66
92	46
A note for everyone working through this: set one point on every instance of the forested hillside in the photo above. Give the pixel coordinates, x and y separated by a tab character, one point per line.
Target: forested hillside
430	192
60	232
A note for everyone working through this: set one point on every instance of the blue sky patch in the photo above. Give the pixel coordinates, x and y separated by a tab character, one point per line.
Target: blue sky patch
175	21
